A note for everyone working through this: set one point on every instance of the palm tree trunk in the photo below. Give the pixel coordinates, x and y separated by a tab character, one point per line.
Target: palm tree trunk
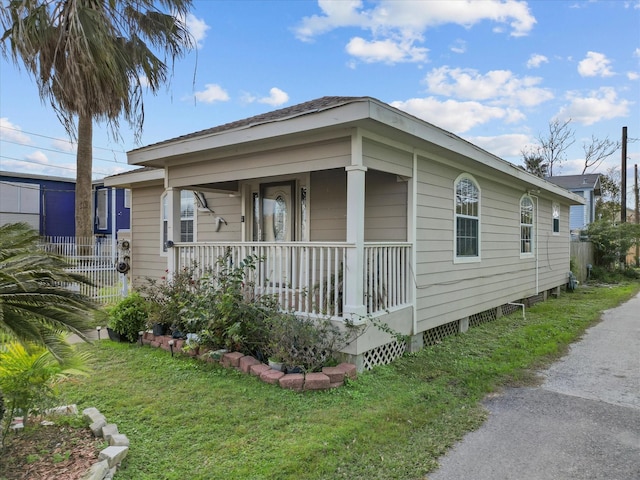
84	161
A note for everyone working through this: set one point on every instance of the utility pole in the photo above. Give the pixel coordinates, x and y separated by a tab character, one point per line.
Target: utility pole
637	191
623	190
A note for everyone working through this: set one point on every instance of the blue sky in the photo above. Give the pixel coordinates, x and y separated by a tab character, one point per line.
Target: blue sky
493	72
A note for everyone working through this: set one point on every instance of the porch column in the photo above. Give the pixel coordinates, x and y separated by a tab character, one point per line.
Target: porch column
354	269
173	227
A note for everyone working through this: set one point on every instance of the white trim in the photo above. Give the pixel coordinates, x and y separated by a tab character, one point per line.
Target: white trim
534	227
478	257
555	208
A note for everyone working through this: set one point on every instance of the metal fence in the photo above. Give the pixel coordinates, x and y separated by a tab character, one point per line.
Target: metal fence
96	259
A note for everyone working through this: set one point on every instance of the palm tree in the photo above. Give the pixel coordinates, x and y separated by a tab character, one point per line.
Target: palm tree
35	307
91	60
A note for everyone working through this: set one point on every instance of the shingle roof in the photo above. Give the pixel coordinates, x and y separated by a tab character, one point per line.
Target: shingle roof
576	182
305	108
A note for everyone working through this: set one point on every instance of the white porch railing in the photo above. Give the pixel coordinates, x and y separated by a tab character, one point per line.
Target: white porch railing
310	277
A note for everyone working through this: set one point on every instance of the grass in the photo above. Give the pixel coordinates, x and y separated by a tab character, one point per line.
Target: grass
191	420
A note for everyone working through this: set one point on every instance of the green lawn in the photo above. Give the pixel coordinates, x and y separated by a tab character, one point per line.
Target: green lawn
188	420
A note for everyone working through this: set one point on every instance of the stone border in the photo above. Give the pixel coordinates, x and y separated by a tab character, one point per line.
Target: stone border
330	377
109	458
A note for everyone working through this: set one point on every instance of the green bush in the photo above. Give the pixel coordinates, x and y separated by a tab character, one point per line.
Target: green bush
129	316
28	377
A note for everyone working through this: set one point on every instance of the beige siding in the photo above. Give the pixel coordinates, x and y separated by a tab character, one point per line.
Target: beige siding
224	206
385	207
328	206
448	291
302	159
377	156
146	260
385	217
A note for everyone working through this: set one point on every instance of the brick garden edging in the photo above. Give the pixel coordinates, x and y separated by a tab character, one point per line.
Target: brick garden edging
330	377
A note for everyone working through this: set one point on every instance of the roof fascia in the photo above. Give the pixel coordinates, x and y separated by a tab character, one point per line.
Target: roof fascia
127	180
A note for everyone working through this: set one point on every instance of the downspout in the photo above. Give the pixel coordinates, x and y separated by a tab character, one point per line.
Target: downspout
536	243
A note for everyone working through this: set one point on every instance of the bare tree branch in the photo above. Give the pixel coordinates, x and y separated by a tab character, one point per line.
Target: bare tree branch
597	151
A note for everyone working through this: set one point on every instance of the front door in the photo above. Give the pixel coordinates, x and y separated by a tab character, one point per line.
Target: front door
278	216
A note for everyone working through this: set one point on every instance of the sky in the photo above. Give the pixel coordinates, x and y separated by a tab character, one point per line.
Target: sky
494	72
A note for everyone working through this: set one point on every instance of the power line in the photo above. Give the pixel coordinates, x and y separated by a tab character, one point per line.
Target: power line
62	152
59	139
49	165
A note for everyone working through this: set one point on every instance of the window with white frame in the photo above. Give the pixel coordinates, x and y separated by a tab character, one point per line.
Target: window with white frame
555	210
467	218
127	198
187	216
526	225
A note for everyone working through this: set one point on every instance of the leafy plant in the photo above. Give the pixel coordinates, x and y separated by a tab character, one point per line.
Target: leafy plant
305	343
35	305
129	316
170	298
29	374
612	241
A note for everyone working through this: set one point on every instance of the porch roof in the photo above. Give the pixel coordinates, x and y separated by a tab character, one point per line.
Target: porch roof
332	114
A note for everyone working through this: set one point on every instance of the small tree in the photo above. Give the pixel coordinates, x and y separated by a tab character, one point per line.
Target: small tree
609	204
534	163
612	241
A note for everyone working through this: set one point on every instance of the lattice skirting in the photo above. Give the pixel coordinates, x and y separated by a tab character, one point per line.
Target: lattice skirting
384	354
437	334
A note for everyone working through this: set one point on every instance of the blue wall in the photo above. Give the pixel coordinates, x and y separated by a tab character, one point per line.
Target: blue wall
57	206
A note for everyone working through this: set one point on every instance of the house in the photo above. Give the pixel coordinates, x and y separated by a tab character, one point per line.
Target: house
358	210
47	203
588	187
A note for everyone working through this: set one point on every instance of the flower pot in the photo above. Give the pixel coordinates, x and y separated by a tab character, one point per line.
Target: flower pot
159	329
275	365
113	336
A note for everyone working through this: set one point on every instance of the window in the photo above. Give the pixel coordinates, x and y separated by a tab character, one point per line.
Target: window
555	210
467	218
127	198
526	225
102	201
187	215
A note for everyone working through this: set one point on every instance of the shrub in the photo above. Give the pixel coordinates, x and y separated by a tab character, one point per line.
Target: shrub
305	343
611	241
129	316
171	299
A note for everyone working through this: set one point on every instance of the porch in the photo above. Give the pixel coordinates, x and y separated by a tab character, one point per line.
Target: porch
312	278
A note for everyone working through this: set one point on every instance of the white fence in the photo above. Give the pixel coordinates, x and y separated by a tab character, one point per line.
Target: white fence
94	258
309	277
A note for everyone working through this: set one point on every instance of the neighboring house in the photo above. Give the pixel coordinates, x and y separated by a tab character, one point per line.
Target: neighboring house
48	204
359	210
588	187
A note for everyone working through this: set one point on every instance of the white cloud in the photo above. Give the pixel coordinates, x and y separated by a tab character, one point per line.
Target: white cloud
197	27
601	104
633	75
37	156
459	46
212	93
64	145
144	81
387	51
12	132
397	25
455	116
595	65
636	52
536	60
500	86
276	97
508	145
